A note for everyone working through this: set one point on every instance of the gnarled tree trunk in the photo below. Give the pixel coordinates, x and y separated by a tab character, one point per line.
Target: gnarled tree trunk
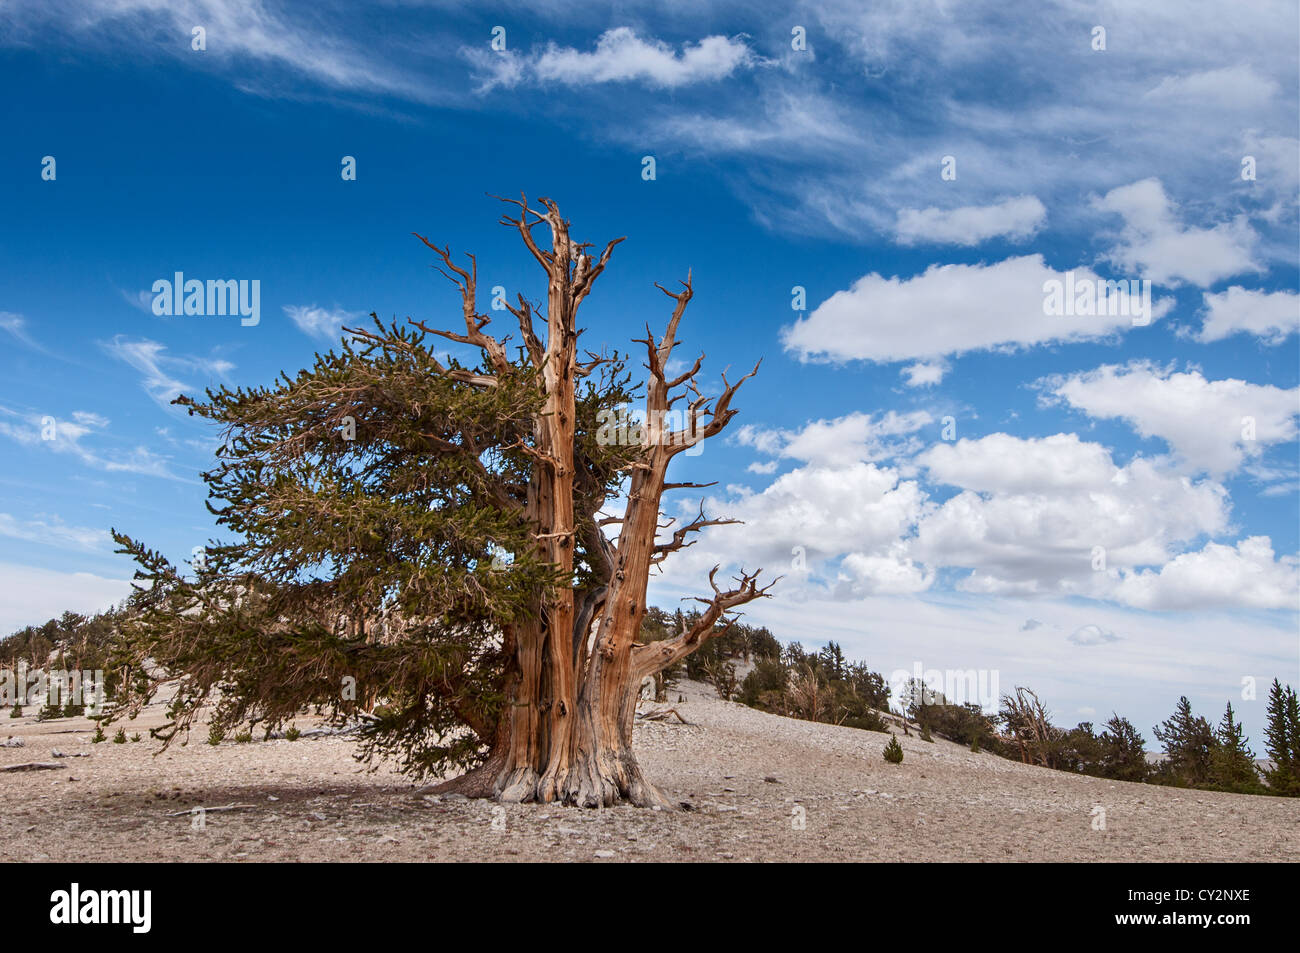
575	670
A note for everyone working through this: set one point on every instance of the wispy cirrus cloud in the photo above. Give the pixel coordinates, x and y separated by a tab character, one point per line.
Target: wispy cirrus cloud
54	532
324	324
1015	218
884	91
238	33
156	366
68	436
16	326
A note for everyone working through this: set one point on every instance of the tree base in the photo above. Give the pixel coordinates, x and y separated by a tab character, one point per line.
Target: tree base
598	783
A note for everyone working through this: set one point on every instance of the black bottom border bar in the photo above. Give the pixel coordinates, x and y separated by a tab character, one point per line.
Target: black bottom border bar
335	902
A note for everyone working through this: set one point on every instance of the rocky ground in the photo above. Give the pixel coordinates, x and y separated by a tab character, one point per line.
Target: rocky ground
760	788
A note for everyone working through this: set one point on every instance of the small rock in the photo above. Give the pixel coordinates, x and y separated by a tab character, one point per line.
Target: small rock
771	779
604	853
12	743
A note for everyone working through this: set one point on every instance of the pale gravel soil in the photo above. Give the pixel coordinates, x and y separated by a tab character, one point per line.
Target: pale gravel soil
312	802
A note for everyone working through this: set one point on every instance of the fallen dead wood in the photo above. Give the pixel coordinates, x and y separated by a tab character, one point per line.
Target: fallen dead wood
662	714
210	810
34	766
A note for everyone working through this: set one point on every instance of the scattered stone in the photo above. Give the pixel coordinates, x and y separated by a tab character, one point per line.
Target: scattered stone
604	853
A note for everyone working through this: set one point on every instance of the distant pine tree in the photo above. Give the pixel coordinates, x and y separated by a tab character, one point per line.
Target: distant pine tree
1232	763
1282	741
1188	741
1123	751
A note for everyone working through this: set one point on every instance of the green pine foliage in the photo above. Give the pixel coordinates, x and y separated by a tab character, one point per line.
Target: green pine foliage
1189	742
822	686
1282	741
1232	763
1122	752
893	751
49	712
375	539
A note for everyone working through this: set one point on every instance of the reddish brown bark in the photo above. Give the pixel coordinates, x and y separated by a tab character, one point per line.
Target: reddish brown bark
574	674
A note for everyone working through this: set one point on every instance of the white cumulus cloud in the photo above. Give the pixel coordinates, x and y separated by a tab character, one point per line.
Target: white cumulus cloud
1156	245
1211	425
1246	575
946	310
620	56
1270	316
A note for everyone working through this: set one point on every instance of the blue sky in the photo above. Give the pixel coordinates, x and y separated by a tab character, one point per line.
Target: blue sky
929	457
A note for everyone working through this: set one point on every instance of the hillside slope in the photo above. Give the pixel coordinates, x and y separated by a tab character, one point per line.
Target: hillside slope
308	800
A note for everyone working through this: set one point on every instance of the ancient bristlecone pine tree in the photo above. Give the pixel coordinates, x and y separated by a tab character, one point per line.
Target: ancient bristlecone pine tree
432	536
